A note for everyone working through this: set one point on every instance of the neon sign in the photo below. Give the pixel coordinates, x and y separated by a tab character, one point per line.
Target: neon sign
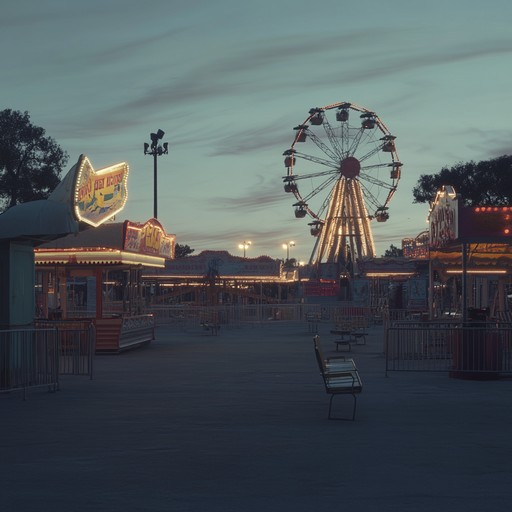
443	218
148	238
100	194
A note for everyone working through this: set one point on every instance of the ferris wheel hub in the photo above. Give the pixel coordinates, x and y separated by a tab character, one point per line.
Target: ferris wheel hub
350	167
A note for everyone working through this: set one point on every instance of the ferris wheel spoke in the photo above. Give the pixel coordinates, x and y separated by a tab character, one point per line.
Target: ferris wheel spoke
356	141
319	189
376	181
370	198
375	166
333	139
316	160
368	155
325	205
322	146
330	172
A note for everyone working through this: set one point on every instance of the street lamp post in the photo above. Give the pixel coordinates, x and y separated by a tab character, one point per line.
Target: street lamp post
287	247
244	245
156	150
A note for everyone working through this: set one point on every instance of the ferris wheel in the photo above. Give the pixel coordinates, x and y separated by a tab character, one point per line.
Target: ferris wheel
343	170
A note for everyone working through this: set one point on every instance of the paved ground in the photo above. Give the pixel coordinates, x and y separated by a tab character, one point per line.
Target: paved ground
237	422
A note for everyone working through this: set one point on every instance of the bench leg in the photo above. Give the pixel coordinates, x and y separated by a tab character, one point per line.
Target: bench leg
343	343
361	337
331	417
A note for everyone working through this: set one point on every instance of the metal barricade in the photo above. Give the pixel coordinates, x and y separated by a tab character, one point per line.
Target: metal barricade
77	346
463	350
29	358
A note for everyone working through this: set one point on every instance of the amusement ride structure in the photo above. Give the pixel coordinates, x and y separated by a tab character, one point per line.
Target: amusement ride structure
343	169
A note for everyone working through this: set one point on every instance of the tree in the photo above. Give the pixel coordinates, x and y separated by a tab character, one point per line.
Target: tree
30	162
180	251
486	183
393	252
290	263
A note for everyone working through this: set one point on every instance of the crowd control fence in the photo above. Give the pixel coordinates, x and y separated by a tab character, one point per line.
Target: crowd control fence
36	357
473	350
29	358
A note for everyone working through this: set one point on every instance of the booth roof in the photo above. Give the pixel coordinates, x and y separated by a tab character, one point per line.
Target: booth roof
109	235
45	219
37	221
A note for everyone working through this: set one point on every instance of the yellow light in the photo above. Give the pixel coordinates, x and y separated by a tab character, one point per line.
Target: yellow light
389	274
96	257
475	271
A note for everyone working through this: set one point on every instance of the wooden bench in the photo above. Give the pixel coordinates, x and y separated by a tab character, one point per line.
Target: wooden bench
213	327
350	330
359	336
340	377
343	340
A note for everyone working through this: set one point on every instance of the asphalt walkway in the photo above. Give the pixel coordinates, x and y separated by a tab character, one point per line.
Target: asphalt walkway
237	422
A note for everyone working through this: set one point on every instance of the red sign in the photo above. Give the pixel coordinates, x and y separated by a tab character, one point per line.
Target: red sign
149	238
319	289
486	224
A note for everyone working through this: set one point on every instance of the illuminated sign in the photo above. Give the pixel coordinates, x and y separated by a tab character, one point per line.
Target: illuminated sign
149	238
443	218
416	248
100	194
486	224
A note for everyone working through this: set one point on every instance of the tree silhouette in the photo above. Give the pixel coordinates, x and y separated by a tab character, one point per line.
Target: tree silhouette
393	252
30	162
486	183
180	251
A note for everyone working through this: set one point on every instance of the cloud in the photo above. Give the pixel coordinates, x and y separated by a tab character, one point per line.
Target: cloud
127	49
378	68
277	65
254	138
231	74
260	195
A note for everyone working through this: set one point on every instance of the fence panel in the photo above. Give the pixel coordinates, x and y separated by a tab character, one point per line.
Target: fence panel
29	358
77	348
77	345
479	350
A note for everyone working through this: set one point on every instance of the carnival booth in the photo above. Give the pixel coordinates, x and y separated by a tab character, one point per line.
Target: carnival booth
393	284
96	275
470	258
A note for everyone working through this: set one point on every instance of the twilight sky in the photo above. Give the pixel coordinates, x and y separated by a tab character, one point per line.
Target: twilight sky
227	80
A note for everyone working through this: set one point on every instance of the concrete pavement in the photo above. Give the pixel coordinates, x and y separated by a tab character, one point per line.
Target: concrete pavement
237	422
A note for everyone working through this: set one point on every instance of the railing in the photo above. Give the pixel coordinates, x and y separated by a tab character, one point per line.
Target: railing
77	348
29	358
36	357
77	345
190	316
478	350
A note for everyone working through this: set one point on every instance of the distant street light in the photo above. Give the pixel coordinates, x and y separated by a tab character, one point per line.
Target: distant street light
287	247
155	150
244	245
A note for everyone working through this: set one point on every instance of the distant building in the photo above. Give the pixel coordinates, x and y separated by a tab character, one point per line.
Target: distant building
416	248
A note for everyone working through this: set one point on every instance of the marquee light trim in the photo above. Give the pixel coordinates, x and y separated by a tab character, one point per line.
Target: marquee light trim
101	194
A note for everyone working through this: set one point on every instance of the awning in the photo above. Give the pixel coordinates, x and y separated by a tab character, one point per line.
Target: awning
37	221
